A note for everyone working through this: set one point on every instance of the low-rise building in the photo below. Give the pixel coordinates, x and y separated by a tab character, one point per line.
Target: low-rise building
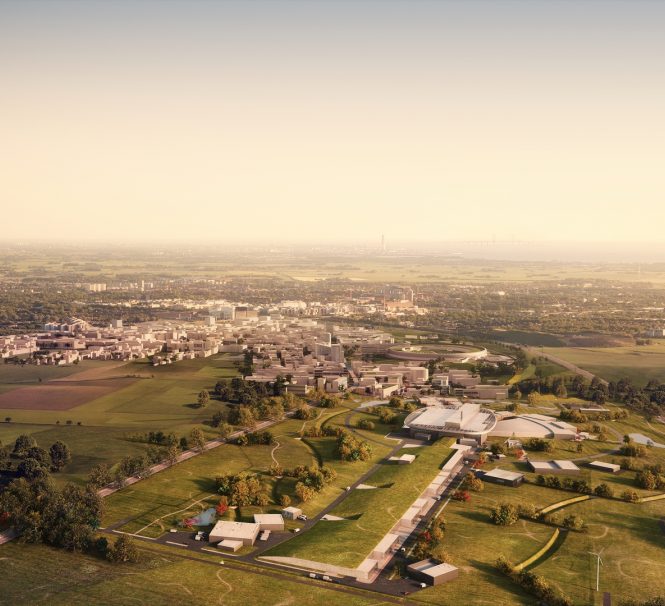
432	572
269	521
245	532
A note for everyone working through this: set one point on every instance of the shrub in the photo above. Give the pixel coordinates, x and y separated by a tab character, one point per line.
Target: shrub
603	490
504	514
630	496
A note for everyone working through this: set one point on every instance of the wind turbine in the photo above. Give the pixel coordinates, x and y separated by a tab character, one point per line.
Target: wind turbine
598	563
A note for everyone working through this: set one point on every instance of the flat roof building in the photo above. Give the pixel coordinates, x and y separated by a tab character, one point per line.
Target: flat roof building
458	420
291	513
603	466
558	466
503	476
432	572
245	532
229	545
269	521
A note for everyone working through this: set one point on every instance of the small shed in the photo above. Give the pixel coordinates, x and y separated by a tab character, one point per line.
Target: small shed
291	513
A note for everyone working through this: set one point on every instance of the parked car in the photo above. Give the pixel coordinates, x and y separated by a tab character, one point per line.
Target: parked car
302	517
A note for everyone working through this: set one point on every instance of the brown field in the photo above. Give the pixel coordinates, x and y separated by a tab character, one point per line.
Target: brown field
60	395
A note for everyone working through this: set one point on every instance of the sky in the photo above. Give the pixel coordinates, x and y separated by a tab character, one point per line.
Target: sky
332	121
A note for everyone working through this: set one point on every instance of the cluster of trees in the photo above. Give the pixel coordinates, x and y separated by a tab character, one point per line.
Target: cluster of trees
595	391
386	415
401	404
648	400
538	445
429	543
533	584
318	431
351	448
242	489
310	480
504	514
651	477
576	485
64	517
33	461
365	424
258	438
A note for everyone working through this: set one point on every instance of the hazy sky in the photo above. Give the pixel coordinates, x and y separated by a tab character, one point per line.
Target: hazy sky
288	121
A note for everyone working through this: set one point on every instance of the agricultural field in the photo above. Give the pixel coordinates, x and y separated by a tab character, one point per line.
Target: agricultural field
35	574
143	398
639	363
369	513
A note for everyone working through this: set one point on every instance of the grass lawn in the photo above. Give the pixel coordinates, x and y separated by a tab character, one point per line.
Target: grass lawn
369	514
34	574
162	400
636	362
180	487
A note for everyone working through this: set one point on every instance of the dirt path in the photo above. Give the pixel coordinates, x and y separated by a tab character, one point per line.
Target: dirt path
172	513
272	453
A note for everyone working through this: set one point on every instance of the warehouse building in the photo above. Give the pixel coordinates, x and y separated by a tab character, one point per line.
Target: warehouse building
504	477
432	572
245	532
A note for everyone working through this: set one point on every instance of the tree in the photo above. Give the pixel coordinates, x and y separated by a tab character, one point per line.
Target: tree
471	482
304	493
203	398
100	475
504	514
172	453
285	500
533	398
60	455
197	439
123	551
217	419
22	444
225	430
31	469
603	490
573	522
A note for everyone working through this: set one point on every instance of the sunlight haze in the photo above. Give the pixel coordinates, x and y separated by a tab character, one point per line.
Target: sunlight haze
301	121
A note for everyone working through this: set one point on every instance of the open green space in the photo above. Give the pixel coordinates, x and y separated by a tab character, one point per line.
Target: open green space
368	514
184	488
35	574
639	363
160	401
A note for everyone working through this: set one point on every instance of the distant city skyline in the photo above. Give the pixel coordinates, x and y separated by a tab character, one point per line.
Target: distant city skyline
294	122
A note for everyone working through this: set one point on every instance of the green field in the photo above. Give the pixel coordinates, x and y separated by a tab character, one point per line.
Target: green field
639	363
161	400
368	514
179	488
34	574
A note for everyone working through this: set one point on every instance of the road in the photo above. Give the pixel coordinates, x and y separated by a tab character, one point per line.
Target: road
535	351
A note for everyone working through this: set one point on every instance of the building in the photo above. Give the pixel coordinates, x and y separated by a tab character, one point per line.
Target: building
457	420
559	466
269	521
230	545
291	513
245	532
603	466
405	459
503	476
432	572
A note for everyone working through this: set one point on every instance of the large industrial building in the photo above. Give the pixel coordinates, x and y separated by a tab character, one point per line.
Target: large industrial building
458	420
